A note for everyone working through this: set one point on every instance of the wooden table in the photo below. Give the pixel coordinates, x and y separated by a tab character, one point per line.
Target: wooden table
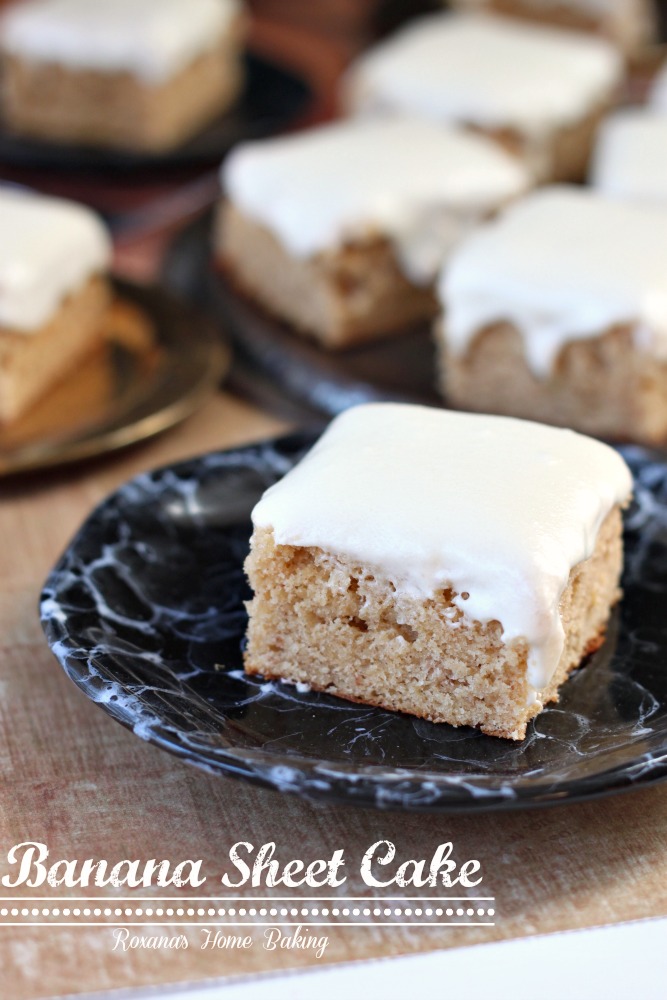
76	780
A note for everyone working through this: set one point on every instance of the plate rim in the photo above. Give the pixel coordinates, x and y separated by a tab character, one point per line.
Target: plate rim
310	770
351	784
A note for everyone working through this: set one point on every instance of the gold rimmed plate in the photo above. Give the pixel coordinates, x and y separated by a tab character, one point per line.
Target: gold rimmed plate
159	361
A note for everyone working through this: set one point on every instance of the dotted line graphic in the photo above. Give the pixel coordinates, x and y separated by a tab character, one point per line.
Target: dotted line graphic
242	911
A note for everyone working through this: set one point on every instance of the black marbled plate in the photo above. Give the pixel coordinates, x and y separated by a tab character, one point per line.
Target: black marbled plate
145	613
400	368
272	99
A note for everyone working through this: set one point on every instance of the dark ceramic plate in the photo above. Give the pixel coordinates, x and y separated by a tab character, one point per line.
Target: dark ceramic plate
272	100
145	613
401	368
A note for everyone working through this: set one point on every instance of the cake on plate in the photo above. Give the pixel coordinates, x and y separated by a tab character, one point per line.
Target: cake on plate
452	566
54	293
539	92
629	24
341	230
630	159
557	311
141	76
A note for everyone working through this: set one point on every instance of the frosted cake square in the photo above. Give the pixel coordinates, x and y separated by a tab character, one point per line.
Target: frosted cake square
452	566
557	311
341	230
54	257
539	92
140	75
629	24
630	158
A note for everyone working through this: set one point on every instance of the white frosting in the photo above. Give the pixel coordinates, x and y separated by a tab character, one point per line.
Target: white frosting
630	159
631	18
658	95
563	264
500	509
488	71
420	184
153	39
48	248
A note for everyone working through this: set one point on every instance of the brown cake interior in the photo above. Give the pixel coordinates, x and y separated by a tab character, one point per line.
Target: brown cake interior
343	629
602	386
30	363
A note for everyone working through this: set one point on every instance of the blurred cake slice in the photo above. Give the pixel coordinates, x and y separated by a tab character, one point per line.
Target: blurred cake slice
453	566
54	257
139	75
629	24
630	158
341	230
557	311
539	92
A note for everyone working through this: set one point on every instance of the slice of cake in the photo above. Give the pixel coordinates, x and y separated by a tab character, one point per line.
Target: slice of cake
557	311
54	256
453	566
341	230
141	75
540	92
630	158
629	24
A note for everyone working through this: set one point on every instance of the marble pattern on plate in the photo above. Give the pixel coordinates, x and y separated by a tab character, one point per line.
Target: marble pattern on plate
145	613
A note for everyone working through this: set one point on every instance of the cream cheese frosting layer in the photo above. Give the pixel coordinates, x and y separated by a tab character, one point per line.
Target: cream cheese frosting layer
152	39
498	508
420	184
487	71
630	159
632	18
48	248
563	264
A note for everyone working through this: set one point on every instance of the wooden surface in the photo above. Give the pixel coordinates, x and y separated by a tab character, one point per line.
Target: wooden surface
73	778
